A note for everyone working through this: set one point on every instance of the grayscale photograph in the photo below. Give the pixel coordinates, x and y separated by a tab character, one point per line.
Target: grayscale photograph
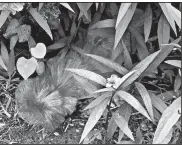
100	73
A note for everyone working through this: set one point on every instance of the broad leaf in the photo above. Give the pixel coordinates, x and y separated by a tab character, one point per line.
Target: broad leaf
123	125
4	15
66	5
176	63
133	102
104	23
120	69
26	67
163	31
169	117
24	32
41	21
122	11
167	12
147	22
123	24
94	117
146	98
39	51
89	75
98	100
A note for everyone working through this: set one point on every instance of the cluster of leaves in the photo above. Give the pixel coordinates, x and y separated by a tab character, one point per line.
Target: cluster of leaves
118	97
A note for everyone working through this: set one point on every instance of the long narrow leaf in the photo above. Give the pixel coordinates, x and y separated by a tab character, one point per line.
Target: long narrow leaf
122	11
147	22
125	77
140	68
104	90
2	63
167	12
146	98
123	24
176	15
4	15
94	117
97	101
120	69
125	111
127	58
133	102
88	86
142	51
66	5
123	125
84	8
176	63
161	56
41	21
169	117
112	126
163	31
89	75
104	24
5	55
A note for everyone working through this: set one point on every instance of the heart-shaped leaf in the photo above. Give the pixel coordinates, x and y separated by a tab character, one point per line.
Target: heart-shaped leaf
26	67
39	51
